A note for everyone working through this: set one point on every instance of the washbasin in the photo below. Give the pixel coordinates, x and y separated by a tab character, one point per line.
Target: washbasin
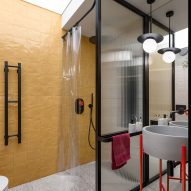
164	142
179	123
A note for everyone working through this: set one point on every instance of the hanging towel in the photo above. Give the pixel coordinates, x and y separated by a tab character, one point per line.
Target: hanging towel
120	150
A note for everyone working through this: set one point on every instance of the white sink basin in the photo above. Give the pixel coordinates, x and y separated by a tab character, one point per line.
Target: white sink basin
179	123
164	142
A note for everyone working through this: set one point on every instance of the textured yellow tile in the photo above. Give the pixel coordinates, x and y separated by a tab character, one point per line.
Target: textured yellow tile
35	142
7	171
11	181
35	170
21	175
40	51
6	5
14	147
6	160
19	159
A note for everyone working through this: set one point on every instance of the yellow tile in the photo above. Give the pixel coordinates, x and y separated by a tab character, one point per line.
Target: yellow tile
44	94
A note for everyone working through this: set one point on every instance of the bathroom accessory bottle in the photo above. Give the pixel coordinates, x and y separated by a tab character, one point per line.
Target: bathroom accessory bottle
166	120
163	121
139	125
132	127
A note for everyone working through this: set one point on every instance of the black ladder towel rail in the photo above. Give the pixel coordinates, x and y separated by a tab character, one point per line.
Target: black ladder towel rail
7	102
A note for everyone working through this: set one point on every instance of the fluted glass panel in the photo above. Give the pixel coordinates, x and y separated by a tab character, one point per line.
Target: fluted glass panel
121	89
121	67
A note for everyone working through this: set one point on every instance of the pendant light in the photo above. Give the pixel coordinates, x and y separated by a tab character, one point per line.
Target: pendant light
150	39
169	54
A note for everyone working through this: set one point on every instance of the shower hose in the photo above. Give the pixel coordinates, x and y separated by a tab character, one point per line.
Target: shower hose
91	124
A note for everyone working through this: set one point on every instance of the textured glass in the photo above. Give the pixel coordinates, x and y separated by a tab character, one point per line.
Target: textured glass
121	67
121	89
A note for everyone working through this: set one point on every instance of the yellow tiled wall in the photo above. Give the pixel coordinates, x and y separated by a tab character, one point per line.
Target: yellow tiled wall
32	36
86	87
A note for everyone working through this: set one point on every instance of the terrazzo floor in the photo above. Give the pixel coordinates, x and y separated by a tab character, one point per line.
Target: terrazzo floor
81	178
174	184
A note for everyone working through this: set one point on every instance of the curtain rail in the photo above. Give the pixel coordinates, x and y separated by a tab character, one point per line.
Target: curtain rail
77	23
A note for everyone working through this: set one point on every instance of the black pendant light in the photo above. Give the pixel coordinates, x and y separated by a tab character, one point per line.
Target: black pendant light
150	39
169	54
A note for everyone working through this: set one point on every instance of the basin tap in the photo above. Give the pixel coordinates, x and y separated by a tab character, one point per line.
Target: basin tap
180	111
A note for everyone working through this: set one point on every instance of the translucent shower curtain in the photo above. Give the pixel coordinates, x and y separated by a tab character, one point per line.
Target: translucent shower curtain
69	140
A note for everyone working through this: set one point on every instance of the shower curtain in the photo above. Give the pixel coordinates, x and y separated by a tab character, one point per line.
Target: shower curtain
69	140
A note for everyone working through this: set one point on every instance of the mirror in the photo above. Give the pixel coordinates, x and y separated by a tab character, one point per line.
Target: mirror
168	83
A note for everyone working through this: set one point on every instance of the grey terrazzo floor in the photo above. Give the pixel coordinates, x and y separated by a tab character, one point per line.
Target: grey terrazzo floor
174	184
81	178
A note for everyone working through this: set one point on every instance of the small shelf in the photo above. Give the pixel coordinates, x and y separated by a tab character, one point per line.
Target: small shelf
108	138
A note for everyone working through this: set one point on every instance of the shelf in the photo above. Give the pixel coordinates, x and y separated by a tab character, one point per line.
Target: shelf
108	138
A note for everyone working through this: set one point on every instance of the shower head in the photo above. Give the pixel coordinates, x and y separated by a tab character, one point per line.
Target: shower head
92	39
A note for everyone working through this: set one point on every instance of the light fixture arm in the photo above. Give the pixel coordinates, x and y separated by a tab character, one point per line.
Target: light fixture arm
169	14
169	34
151	18
150	2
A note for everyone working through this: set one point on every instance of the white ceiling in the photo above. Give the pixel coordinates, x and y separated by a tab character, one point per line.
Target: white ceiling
160	7
57	6
88	24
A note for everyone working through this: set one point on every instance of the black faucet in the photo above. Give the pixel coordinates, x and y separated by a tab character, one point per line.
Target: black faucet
179	111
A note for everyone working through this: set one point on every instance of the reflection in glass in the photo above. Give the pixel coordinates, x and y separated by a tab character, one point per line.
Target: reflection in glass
160	92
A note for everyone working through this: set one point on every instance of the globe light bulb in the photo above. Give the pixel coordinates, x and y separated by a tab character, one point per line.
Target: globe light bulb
149	45
169	57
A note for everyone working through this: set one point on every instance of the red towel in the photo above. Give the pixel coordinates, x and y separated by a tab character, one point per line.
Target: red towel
120	150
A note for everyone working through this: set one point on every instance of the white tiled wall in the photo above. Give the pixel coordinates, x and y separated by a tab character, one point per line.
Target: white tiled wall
181	88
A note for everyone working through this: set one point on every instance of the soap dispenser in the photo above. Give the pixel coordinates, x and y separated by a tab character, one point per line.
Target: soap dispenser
132	127
163	121
166	120
139	125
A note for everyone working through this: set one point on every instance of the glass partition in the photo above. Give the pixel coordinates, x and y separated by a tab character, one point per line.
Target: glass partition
121	89
121	67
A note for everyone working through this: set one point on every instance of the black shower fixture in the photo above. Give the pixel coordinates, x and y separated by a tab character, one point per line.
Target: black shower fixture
92	39
150	40
169	54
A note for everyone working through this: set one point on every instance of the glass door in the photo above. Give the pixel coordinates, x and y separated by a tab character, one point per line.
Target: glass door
120	67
